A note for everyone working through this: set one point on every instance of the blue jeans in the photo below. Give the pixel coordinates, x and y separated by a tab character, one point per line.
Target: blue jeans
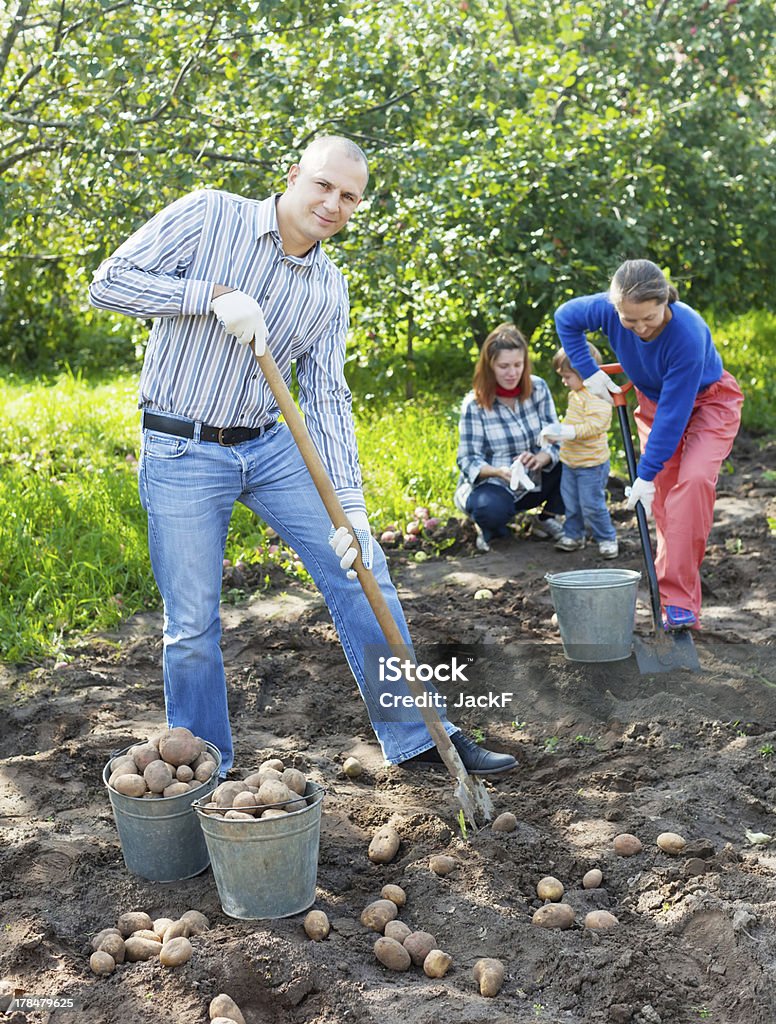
189	488
584	496
492	506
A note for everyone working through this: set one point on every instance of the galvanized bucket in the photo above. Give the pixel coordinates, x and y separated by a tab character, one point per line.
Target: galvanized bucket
267	867
161	839
595	609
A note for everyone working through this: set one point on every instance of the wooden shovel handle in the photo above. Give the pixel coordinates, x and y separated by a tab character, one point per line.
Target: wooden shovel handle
338	518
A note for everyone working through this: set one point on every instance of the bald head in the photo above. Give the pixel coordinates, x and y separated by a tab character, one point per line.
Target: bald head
333	143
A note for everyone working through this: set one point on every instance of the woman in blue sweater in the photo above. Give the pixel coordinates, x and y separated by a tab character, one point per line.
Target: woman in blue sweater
688	415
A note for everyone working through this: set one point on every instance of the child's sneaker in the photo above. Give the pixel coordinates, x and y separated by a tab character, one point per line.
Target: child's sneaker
608	549
566	543
679	618
548	529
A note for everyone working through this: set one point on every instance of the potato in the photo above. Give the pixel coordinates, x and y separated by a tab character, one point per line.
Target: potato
352	767
158	776
627	845
176	930
161	924
377	915
234	815
223	1020
316	925
224	794
273	763
419	945
133	921
130	785
441	864
113	944
143	754
124	765
273	792
295	781
175	789
255	780
671	842
397	930
197	922
184	773
392	954
550	888
554	915
274	812
140	949
102	963
146	933
245	802
101	935
592	879
489	975
203	771
176	952
201	759
436	964
395	894
384	845
224	1006
599	920
505	822
180	746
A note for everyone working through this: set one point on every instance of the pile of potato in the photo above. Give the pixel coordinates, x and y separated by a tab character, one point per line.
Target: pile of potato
137	937
399	946
170	764
555	914
271	792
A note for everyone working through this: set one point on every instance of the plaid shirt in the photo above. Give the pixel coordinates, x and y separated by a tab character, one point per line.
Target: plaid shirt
497	436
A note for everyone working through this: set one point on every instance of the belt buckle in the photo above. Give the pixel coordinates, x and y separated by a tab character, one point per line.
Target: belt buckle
220	437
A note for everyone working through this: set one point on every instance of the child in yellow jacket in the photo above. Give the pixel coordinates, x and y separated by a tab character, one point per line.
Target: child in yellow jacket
584	453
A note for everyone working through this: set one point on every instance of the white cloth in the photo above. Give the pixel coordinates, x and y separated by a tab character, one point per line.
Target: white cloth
241	315
643	491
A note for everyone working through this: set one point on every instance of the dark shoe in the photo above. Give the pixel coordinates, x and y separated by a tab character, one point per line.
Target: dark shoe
476	760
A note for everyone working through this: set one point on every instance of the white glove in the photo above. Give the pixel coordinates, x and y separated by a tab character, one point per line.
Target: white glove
601	384
520	477
557	432
643	491
344	545
240	314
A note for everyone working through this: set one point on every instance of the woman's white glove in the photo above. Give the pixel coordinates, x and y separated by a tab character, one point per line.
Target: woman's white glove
643	491
520	478
557	432
240	314
601	384
342	541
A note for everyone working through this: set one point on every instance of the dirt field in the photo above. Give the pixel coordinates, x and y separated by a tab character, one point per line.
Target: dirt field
602	750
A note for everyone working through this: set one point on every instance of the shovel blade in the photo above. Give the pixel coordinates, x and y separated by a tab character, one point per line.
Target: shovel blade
666	653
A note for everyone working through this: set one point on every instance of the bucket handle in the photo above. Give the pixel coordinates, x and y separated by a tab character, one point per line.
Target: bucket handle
216	812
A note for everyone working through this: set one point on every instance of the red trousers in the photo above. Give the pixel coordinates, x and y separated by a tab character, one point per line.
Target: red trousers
685	488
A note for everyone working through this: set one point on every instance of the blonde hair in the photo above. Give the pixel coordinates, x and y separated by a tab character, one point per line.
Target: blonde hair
561	362
505	337
641	281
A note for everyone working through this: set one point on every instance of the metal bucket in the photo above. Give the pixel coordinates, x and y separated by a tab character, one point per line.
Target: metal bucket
161	839
595	609
267	867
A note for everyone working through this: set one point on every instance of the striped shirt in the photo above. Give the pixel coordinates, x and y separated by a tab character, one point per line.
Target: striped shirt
591	417
497	436
167	269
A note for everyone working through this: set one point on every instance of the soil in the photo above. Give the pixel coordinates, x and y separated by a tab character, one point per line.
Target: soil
602	749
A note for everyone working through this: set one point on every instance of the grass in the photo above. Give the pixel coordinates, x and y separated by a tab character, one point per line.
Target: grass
73	553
